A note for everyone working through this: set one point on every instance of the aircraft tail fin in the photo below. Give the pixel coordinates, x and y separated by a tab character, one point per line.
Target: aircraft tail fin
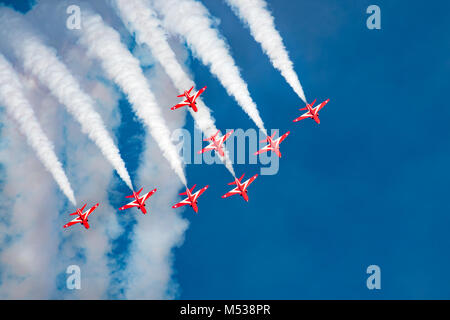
213	137
268	138
312	104
190	190
234	182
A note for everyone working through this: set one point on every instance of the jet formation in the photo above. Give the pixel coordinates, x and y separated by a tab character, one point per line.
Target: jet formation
217	145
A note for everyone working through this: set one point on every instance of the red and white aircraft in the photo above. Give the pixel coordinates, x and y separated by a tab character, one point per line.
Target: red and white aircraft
191	198
241	188
82	217
274	145
138	202
216	144
190	99
312	113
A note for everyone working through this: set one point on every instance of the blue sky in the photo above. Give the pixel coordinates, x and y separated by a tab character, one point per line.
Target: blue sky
367	186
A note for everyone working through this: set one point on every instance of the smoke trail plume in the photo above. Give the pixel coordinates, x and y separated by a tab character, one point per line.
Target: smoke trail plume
141	20
42	61
192	20
150	270
18	107
104	43
262	27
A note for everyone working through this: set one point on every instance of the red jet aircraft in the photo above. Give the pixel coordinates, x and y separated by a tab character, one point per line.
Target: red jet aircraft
274	145
138	202
241	187
191	198
312	112
216	144
82	217
190	99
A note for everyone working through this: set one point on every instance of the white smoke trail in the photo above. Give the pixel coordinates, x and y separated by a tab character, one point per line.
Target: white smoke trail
149	270
191	20
42	61
19	108
262	27
141	20
124	69
28	272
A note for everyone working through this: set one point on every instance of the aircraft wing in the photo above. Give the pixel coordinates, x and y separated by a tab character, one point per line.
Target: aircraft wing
249	181
74	221
304	116
284	136
199	92
232	193
317	109
183	104
148	195
265	149
224	138
132	204
87	213
182	203
199	192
